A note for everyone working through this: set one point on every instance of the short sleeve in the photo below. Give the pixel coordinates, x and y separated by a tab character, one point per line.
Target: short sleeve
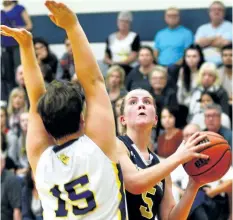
156	41
136	43
107	50
199	34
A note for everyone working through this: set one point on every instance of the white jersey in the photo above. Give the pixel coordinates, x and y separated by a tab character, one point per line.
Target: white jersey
78	181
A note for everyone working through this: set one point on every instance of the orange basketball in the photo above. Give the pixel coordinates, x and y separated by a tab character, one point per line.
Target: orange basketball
205	171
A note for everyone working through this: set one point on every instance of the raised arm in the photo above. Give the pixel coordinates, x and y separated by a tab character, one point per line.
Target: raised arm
35	88
99	125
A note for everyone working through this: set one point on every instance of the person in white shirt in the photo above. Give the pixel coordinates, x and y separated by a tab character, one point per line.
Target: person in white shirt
214	35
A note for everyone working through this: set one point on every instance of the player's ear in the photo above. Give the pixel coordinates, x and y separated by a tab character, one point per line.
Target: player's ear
122	120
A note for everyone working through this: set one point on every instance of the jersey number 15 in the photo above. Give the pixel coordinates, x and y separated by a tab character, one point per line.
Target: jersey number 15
73	196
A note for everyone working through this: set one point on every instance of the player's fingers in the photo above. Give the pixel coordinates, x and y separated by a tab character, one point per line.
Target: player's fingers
199	140
201	156
4	33
196	134
201	147
52	6
7	30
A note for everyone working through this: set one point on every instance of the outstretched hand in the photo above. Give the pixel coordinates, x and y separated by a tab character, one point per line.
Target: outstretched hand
61	15
192	147
22	36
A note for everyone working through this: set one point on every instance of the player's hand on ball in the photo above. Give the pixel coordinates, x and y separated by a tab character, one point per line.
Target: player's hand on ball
22	36
61	15
190	149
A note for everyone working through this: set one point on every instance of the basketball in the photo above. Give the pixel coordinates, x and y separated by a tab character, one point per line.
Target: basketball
205	171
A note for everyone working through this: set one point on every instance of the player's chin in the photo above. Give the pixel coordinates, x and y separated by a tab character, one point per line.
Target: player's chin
144	122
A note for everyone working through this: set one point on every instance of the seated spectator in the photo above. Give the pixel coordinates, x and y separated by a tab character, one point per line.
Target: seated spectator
115	83
11	188
172	137
225	72
12	15
208	98
208	80
139	76
20	81
21	153
171	42
9	139
65	69
117	115
213	122
188	74
46	59
216	34
31	204
16	105
122	46
163	94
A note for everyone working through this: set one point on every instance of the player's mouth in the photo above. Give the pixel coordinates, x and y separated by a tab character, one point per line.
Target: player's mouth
142	114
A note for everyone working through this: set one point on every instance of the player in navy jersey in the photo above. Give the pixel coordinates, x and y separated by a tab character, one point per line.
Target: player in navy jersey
147	181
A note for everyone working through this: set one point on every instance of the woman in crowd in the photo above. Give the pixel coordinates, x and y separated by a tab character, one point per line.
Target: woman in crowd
188	75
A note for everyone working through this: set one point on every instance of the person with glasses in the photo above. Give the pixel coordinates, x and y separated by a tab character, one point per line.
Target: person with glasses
213	122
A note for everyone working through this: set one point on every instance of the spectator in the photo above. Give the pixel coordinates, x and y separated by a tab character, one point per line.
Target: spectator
225	72
65	69
10	193
208	98
139	76
117	116
213	122
163	94
16	105
122	46
21	151
31	204
46	59
20	81
115	83
9	137
216	34
208	80
170	43
12	15
188	75
172	138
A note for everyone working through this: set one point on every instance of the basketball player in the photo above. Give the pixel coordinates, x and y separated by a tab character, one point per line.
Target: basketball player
76	175
147	182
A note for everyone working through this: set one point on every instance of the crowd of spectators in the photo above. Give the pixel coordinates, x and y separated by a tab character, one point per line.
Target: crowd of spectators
188	74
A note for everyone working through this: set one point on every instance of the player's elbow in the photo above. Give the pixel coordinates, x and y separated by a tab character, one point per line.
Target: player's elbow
135	186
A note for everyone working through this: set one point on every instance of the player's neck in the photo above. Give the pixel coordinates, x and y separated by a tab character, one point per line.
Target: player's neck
140	138
68	138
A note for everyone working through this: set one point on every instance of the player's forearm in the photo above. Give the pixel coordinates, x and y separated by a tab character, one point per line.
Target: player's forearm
145	179
182	209
86	66
32	74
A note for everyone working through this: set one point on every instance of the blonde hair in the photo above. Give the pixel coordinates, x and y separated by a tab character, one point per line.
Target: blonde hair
173	8
13	94
210	67
159	69
118	69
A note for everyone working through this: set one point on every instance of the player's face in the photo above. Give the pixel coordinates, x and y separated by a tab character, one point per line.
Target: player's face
208	79
167	119
145	58
172	18
18	101
212	120
206	100
227	58
114	79
139	110
192	58
216	12
158	80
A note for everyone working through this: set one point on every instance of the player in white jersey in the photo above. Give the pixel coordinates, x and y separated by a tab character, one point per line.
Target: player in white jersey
76	173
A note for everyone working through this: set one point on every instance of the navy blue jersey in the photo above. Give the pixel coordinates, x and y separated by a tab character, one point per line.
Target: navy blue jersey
146	205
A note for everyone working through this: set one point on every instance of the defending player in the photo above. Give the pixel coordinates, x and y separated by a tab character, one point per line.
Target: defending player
74	173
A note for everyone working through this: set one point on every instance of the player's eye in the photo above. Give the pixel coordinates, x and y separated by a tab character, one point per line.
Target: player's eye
147	102
133	102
